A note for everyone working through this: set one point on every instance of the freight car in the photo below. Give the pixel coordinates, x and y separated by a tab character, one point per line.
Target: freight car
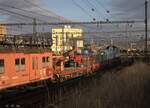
74	66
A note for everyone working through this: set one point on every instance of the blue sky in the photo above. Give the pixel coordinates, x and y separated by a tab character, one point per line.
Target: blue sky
119	9
65	8
69	10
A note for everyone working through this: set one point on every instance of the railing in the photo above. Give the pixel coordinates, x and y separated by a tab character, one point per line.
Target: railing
26	41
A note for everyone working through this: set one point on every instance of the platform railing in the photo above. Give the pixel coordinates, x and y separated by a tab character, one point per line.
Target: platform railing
26	41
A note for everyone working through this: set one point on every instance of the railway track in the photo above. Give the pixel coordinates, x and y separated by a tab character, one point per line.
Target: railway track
50	95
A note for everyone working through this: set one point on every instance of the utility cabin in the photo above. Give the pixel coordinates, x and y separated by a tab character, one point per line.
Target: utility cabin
24	68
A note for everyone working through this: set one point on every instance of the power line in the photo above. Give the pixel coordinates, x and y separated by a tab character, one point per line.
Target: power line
94	33
76	4
89	6
102	5
20	10
16	13
106	9
24	10
93	7
73	23
43	9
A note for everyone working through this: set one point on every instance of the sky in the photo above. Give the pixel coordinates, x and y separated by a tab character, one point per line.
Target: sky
118	9
71	9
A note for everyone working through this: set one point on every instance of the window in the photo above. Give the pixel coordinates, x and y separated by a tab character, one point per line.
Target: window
20	64
23	61
1	66
43	59
17	64
47	59
17	61
43	62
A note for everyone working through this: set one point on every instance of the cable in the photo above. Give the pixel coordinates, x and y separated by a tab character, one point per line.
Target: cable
21	10
24	11
101	5
93	7
106	9
76	4
7	13
16	13
43	9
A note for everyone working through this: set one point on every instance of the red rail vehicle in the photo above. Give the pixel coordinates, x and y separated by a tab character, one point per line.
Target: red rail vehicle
23	68
32	61
25	62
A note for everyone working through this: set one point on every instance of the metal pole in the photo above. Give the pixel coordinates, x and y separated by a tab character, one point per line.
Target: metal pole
63	34
34	26
146	2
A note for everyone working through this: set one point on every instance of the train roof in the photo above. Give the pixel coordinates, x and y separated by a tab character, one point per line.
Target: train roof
24	50
25	44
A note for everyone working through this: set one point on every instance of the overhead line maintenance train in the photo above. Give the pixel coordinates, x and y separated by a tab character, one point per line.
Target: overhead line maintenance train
33	61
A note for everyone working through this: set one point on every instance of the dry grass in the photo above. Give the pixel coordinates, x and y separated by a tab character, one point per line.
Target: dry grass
128	88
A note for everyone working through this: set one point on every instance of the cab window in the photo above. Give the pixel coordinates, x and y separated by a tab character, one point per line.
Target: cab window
43	59
20	64
47	61
43	62
17	64
23	61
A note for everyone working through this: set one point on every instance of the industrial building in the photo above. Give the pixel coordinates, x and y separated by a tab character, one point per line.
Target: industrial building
65	38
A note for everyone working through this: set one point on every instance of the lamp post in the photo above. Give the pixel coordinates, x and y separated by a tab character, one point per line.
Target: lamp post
146	26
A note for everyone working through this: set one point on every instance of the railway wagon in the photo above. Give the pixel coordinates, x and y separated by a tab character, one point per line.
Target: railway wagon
109	56
24	68
72	69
